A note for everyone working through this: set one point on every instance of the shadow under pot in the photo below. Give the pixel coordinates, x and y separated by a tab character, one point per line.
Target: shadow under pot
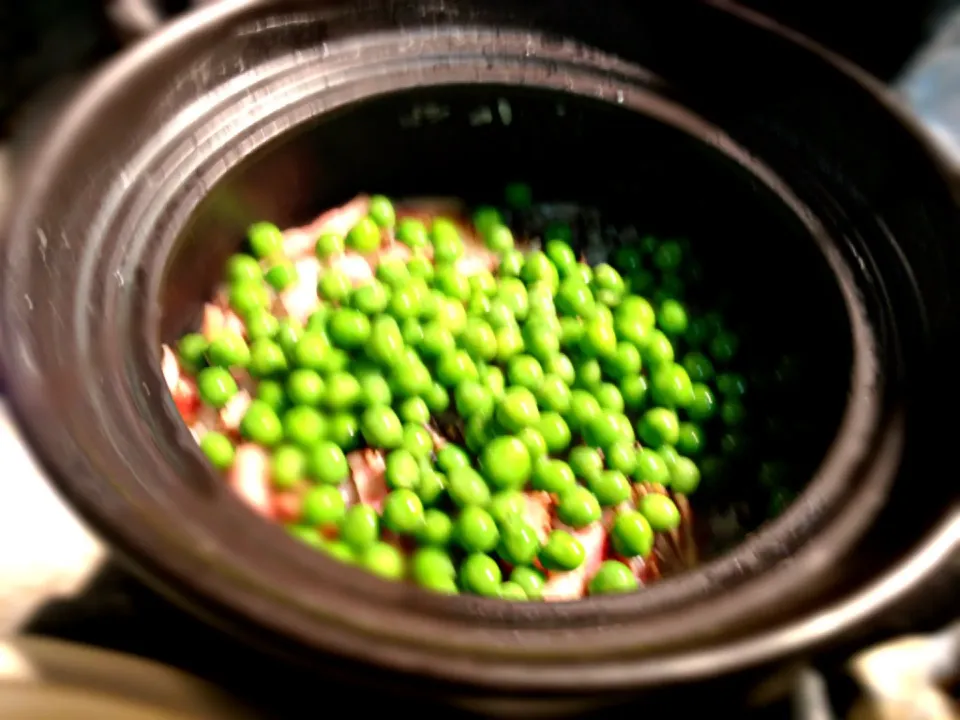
777	254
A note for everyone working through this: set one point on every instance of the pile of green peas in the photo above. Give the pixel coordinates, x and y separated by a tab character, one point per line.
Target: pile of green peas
554	376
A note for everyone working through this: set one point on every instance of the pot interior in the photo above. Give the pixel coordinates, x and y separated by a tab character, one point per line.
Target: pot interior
754	260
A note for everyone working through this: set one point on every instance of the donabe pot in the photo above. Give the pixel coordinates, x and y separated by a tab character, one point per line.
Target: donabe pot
825	212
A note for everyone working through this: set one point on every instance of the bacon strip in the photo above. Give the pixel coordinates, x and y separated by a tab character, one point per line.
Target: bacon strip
300	241
368	472
249	477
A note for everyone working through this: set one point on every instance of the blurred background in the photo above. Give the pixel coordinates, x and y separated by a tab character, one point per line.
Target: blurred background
53	579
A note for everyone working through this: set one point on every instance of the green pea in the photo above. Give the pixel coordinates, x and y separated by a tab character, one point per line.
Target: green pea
437	528
381	427
499	239
611	487
691	440
660	511
261	425
261	324
578	507
409	377
479	339
384	560
266	239
684	476
559	251
412	233
329	245
536	445
342	392
432	568
622	456
476	530
312	351
554	394
364	237
305	387
381	211
555	431
229	349
612	577
584	408
634	392
323	505
731	384
525	371
287	467
281	275
360	527
508	343
703	405
393	273
447	243
216	386
561	366
658	350
511	592
375	390
658	427
626	361
248	296
507	504
538	268
479	573
456	367
473	399
191	349
553	476
451	457
349	329
307	535
402	469
492	378
327	464
266	358
403	511
589	375
585	462
437	398
513	294
599	338
651	468
334	285
632	535
243	268
609	397
668	255
562	551
532	581
340	551
272	393
518	409
371	298
519	543
432	484
724	347
506	463
466	487
218	449
486	217
671	386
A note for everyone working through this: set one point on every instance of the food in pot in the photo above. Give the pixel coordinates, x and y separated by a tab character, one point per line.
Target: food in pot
476	403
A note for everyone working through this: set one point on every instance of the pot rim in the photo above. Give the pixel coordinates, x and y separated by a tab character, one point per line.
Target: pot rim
125	68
